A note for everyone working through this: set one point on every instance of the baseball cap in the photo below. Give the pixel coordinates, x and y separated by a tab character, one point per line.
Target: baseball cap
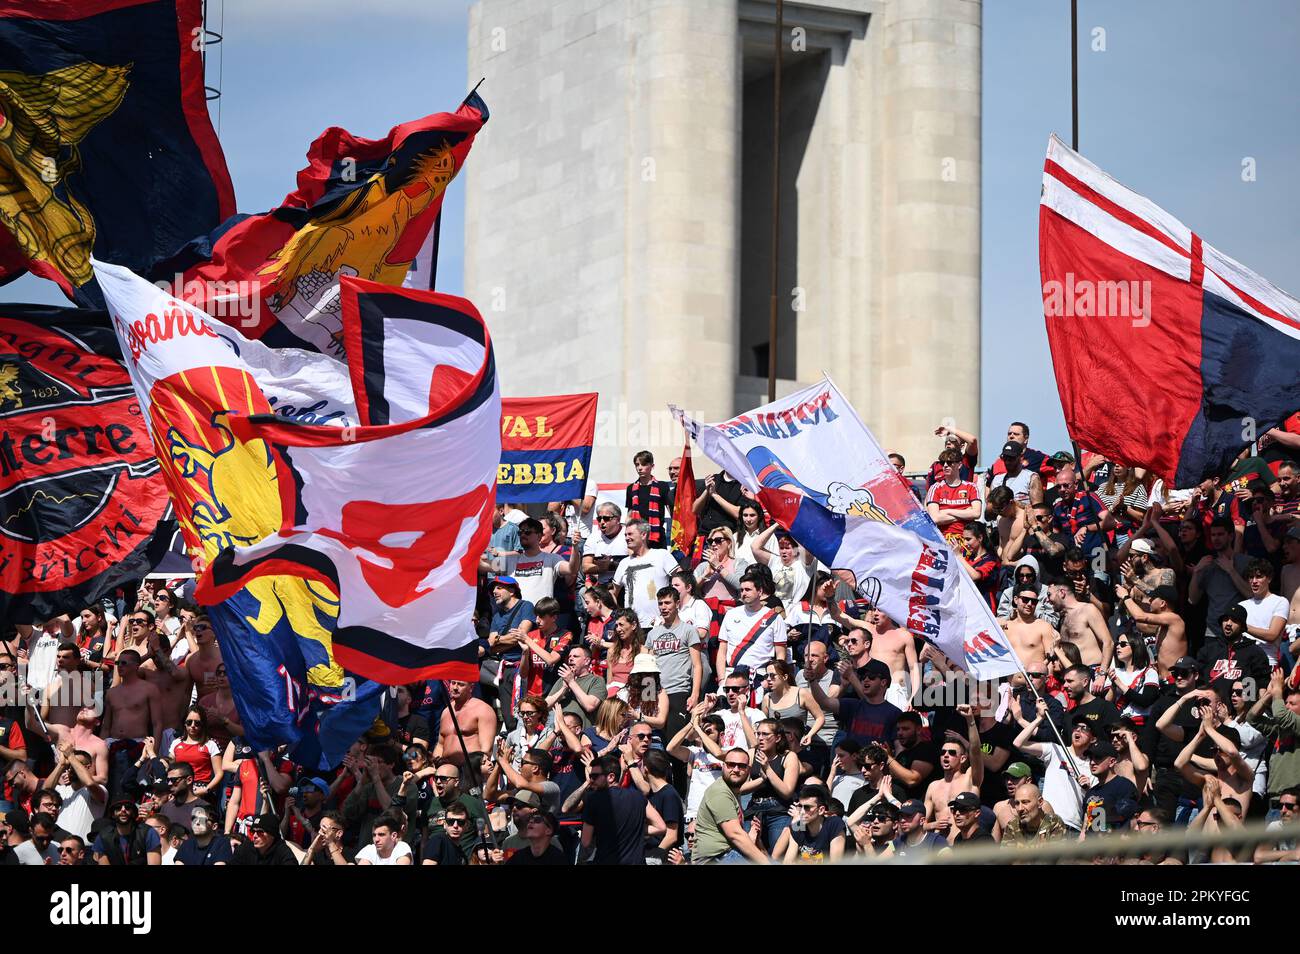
506	581
1062	457
1142	545
1186	664
1012	449
1101	749
913	806
526	797
267	823
1083	720
965	800
317	782
1018	770
1236	612
876	669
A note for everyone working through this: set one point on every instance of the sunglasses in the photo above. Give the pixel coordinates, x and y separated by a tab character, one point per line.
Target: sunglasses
642	735
719	540
1036	675
1123	642
735	688
602	519
445	778
65	850
1286	806
458	822
1027	599
737	765
193	721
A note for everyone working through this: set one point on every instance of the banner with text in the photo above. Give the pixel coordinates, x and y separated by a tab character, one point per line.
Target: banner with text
821	474
546	448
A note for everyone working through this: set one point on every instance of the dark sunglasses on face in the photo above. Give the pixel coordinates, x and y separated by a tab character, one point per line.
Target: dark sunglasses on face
193	722
735	688
603	517
738	765
642	735
458	822
445	778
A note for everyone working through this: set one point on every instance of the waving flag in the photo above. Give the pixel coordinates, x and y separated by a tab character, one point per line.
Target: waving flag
105	142
363	208
392	514
191	376
817	469
546	447
82	503
1168	354
685	525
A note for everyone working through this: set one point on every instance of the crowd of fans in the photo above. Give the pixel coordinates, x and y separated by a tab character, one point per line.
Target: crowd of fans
640	703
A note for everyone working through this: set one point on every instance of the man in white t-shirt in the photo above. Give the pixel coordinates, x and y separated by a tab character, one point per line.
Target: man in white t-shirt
644	572
535	570
42	649
736	714
606	548
387	846
751	634
1066	772
1266	612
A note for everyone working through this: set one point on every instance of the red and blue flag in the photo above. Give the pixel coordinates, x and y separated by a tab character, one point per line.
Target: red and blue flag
1168	353
546	448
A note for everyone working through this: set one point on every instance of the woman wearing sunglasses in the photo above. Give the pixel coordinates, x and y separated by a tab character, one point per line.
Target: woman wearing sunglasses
198	750
1134	681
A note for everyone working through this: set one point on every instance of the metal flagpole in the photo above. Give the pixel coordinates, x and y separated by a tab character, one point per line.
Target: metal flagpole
1074	144
776	204
475	782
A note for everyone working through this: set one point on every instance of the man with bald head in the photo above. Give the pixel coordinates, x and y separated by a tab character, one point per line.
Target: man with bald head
1033	824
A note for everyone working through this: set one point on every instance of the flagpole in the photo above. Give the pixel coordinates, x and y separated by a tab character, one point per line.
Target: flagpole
475	781
1074	144
776	204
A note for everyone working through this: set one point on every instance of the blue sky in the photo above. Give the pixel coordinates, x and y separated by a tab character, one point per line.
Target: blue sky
1184	90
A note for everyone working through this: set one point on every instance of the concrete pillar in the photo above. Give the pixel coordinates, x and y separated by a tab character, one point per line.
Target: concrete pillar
929	357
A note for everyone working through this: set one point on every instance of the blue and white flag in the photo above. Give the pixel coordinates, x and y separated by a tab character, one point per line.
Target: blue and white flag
820	473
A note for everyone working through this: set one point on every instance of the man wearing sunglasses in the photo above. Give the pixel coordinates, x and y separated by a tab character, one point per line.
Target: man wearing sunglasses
180	800
720	836
133	711
1285	850
72	851
607	548
454	844
1029	635
264	847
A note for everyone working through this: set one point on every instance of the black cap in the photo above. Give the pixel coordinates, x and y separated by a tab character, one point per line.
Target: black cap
1186	664
965	800
1236	612
267	823
1084	721
1012	449
877	669
1101	749
913	806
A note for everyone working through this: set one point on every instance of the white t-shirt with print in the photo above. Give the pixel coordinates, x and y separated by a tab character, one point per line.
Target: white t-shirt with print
642	578
1060	788
535	574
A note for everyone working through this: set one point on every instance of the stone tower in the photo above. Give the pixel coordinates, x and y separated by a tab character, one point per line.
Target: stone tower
618	212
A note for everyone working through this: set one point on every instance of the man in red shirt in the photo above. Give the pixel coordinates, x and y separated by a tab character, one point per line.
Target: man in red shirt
952	501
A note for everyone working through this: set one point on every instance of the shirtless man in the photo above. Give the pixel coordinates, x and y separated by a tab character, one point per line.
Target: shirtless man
962	764
81	735
1161	621
894	646
173	681
132	708
201	666
1029	636
1227	765
69	690
1083	625
1013	523
478	723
